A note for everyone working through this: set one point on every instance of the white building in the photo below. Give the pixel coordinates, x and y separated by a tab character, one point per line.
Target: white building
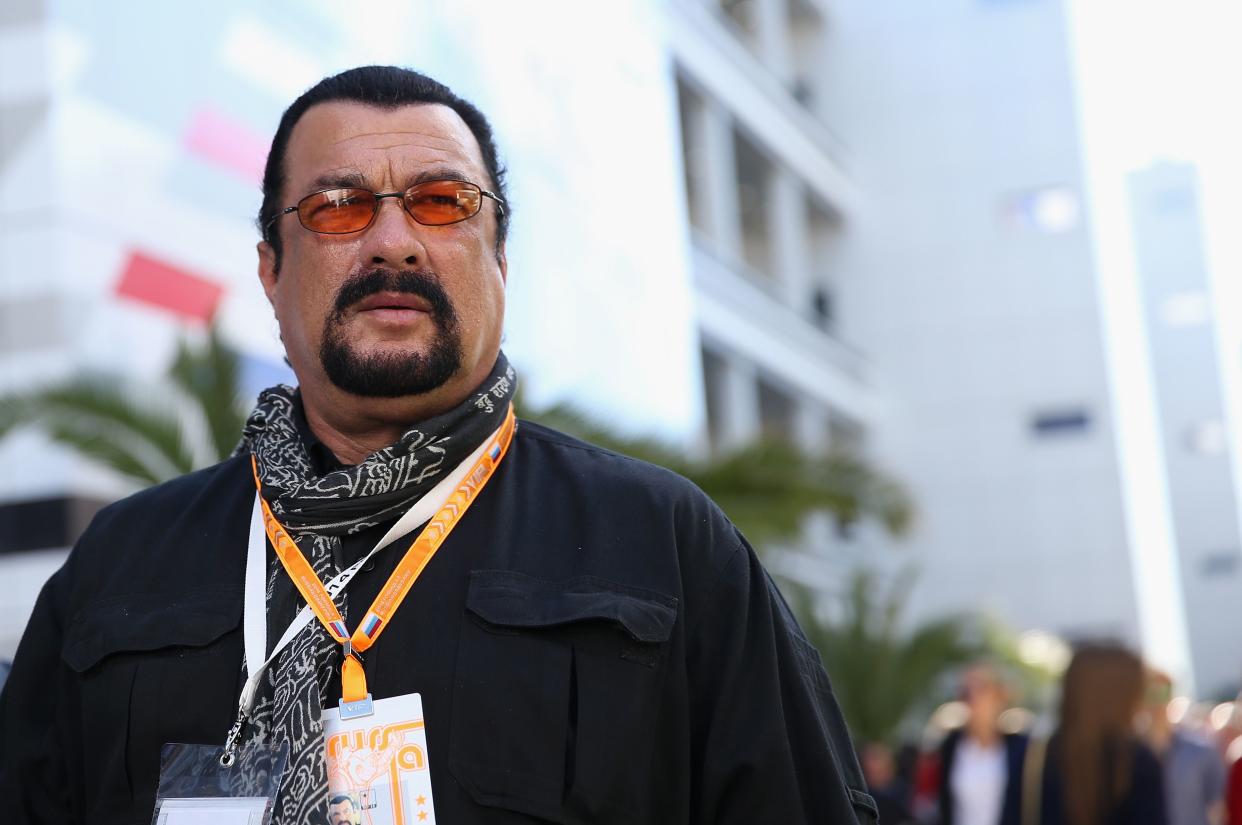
975	297
769	198
1183	344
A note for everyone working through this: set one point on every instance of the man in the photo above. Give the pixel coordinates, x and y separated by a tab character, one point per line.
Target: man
593	642
1194	773
341	810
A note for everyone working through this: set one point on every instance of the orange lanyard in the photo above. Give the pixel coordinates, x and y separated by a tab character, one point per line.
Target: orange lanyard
353	679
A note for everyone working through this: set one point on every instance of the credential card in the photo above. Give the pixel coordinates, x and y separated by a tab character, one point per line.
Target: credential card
377	765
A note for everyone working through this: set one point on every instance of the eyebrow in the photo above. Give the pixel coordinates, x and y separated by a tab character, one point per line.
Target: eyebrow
355	180
338	180
440	173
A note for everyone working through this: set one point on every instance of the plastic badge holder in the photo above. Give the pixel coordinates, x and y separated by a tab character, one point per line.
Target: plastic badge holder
195	789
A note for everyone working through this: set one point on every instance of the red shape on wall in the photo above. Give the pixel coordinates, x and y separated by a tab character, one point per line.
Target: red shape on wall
226	142
158	283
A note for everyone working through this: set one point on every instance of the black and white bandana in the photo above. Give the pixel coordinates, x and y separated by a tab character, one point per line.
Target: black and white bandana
317	511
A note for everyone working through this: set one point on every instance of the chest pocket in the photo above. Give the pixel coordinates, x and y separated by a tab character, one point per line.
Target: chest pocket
150	670
556	694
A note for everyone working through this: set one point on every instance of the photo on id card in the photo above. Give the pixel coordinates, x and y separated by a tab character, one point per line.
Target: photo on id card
378	770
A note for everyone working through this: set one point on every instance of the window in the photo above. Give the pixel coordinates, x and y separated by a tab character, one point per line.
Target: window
1059	423
806	48
741	15
822	308
713	394
846	435
776	412
1208	438
754	181
1175	200
823	234
1221	563
1192	308
689	109
1049	209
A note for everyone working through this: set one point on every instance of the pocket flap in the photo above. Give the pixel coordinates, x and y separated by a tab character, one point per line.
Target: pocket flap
148	622
509	599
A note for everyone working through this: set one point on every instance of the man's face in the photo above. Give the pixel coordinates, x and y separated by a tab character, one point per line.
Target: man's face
398	308
342	813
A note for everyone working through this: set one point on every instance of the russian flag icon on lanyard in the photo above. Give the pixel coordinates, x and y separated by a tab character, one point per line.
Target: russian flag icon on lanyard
371	625
339	629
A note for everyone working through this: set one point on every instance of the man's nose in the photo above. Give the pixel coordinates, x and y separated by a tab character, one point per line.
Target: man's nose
394	238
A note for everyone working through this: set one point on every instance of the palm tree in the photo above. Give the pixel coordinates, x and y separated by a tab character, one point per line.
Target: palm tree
766	488
882	674
147	435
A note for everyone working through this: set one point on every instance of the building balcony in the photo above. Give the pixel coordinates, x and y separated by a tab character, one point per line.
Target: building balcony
744	311
712	58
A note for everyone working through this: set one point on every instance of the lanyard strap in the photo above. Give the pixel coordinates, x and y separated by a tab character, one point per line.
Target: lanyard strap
412	564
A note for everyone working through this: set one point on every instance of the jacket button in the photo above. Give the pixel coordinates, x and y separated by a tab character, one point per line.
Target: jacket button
368	567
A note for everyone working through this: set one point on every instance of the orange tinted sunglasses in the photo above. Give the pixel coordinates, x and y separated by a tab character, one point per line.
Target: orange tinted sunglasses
432	203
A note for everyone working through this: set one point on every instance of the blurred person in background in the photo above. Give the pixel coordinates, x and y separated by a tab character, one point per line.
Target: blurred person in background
1234	794
1096	770
887	786
1194	775
980	764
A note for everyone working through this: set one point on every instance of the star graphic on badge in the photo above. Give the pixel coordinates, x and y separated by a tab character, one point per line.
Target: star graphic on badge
422	800
422	815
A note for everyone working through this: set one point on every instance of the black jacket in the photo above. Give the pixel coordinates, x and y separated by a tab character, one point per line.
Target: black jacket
1011	805
594	643
1143	803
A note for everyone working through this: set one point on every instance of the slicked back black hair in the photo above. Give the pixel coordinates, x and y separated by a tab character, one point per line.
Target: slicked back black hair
387	87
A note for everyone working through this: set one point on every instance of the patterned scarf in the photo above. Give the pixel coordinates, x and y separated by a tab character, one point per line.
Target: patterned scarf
317	511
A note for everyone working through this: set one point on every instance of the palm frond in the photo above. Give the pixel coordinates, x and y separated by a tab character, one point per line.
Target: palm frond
211	376
765	488
573	422
881	675
106	450
91	410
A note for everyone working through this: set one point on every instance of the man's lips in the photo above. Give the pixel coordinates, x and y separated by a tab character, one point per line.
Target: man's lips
398	301
393	307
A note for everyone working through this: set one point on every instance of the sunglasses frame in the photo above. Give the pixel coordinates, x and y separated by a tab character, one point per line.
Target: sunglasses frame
379	196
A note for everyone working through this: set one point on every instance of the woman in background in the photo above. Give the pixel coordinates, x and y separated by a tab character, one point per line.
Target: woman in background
1097	772
981	764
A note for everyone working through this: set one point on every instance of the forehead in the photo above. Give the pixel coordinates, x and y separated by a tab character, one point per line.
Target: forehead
980	679
384	146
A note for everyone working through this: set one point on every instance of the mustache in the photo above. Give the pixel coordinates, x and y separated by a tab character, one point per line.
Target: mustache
421	282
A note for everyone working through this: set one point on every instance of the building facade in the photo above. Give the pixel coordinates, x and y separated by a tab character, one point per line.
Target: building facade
1183	342
977	302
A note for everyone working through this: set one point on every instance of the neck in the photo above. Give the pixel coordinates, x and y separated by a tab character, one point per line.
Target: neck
353	428
984	734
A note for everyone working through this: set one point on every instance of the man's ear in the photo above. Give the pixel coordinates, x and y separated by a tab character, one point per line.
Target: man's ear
267	270
503	262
